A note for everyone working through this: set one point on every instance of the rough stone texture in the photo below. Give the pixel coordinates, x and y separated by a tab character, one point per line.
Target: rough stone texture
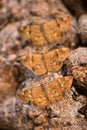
76	65
80	12
8	82
63	115
77	10
14	114
82	23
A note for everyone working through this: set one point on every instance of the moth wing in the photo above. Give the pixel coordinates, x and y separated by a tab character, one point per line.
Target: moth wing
63	23
53	91
62	53
25	95
38	64
38	97
56	89
27	61
51	31
54	59
65	82
35	96
25	32
37	36
34	62
51	61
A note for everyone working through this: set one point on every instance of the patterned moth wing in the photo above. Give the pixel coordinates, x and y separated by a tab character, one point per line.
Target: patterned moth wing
63	23
46	33
33	34
52	32
34	62
42	96
35	96
37	37
56	89
43	63
54	59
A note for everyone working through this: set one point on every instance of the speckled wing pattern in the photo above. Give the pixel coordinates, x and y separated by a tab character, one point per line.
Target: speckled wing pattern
46	94
42	63
46	33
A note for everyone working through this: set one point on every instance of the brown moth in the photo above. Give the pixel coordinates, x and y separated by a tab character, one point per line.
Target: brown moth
42	63
42	96
46	33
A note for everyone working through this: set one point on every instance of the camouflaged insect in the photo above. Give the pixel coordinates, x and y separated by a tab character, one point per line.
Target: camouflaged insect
42	63
46	33
51	61
46	94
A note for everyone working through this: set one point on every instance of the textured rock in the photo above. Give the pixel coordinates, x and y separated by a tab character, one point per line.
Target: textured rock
14	114
77	66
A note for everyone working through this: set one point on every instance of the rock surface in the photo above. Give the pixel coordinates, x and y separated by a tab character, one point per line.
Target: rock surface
69	114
